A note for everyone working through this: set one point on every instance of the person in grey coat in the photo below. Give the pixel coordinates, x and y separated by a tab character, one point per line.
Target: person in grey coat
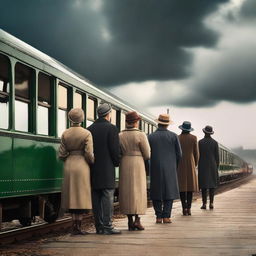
165	156
208	176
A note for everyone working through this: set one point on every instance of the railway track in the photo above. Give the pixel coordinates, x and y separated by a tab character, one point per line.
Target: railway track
61	225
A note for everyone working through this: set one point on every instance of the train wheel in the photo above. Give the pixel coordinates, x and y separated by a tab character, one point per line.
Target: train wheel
25	221
52	208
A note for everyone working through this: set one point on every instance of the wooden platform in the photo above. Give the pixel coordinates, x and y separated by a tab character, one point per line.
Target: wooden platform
229	229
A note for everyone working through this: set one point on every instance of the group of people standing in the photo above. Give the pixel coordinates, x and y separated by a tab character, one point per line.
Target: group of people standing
91	155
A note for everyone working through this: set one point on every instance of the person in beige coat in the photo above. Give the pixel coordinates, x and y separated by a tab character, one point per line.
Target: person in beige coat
187	167
135	150
76	150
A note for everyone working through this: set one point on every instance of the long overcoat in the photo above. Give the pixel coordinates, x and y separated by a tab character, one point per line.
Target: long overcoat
165	155
187	166
107	154
132	182
208	165
76	149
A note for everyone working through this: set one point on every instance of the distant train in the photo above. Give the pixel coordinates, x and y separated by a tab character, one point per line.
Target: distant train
231	165
36	93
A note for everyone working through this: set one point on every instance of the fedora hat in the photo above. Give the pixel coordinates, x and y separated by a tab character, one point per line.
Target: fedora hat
186	126
164	119
132	117
76	115
208	129
103	109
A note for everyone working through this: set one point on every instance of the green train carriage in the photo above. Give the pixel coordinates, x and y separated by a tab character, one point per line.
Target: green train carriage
36	93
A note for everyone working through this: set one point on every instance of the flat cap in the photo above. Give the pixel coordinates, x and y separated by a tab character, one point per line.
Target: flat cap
103	109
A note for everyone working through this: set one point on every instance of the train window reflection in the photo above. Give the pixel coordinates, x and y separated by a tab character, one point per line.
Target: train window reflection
63	97
90	111
113	116
4	91
23	80
122	126
44	101
44	88
62	121
78	100
62	109
43	120
21	116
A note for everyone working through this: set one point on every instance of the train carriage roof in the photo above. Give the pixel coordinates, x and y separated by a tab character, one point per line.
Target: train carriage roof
29	50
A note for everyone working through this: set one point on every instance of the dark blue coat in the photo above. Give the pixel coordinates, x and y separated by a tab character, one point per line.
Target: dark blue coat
106	152
208	163
165	155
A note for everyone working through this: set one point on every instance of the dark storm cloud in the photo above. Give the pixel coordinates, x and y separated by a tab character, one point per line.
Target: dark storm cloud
248	9
123	41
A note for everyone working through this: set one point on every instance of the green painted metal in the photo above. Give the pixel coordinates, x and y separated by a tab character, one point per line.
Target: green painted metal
29	167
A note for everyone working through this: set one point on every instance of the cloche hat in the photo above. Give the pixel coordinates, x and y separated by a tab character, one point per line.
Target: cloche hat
76	115
103	109
132	117
164	119
208	129
186	126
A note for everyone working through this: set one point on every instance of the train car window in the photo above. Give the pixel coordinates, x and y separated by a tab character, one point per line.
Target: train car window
122	125
23	81
4	91
78	100
113	116
146	128
44	103
62	109
91	111
142	125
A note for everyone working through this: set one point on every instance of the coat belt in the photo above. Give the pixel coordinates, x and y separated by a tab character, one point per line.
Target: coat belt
76	152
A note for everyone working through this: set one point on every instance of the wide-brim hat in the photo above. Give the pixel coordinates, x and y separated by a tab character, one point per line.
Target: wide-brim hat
132	117
164	119
186	126
208	129
103	109
76	115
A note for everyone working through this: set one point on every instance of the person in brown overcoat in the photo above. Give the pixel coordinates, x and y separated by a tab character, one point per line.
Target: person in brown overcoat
135	150
76	150
187	167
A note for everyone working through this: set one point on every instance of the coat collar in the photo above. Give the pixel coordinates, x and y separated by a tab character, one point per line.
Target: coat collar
161	129
131	129
101	120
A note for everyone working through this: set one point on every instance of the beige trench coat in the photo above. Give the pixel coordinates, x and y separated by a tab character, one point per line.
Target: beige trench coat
187	166
76	150
132	179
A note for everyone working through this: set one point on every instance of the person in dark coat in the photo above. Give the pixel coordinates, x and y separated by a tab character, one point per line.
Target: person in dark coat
107	157
208	176
165	156
188	182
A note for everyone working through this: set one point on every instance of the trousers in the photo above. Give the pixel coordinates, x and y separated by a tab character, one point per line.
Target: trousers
162	208
102	204
186	199
211	195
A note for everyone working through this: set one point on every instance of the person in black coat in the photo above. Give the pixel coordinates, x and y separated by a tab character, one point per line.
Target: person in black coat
208	176
107	157
165	156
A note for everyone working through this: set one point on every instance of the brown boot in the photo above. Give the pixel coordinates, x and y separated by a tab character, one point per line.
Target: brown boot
167	220
137	224
130	223
159	220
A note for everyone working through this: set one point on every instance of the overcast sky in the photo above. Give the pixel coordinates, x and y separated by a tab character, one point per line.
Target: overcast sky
197	58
